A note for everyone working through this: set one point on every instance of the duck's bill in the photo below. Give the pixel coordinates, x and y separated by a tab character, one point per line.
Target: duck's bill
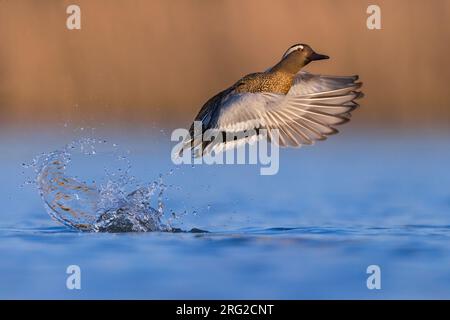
317	56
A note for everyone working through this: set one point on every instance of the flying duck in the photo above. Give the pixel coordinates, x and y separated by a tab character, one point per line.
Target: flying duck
304	107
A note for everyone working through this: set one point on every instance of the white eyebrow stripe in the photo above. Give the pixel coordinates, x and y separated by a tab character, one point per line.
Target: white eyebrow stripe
293	48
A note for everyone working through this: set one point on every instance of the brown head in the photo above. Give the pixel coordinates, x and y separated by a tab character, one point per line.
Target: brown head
296	57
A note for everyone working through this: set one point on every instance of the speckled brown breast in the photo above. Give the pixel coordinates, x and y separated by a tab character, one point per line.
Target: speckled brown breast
275	82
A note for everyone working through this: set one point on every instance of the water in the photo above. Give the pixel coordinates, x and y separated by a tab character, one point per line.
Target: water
311	231
85	207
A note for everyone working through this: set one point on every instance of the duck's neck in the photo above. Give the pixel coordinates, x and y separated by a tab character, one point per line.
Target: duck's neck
288	65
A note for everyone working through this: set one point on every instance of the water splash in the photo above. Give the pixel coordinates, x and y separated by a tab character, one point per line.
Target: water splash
109	207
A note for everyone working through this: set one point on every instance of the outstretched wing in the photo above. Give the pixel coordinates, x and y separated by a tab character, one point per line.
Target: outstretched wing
208	113
309	112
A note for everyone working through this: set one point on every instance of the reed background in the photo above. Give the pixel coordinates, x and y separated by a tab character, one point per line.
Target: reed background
140	62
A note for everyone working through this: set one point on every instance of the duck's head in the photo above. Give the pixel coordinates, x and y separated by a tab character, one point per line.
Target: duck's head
298	56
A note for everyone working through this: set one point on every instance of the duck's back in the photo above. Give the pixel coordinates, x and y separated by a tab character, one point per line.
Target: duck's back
274	82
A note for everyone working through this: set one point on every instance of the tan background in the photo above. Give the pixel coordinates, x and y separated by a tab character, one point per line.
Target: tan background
137	61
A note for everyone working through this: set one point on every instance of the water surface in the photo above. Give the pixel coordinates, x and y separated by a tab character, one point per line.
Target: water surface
309	232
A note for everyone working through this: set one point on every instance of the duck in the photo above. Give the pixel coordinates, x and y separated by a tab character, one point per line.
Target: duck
302	107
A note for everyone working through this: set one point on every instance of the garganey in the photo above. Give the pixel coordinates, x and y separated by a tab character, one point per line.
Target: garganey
304	107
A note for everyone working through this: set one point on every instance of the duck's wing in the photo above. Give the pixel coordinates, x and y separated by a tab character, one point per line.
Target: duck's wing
309	112
207	116
308	84
208	113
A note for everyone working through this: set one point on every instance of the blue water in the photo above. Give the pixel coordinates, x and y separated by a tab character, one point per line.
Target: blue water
365	197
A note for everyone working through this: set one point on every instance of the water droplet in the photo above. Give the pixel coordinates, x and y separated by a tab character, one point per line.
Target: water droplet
98	206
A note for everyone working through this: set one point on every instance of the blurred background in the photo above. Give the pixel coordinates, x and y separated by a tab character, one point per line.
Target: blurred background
375	194
156	62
